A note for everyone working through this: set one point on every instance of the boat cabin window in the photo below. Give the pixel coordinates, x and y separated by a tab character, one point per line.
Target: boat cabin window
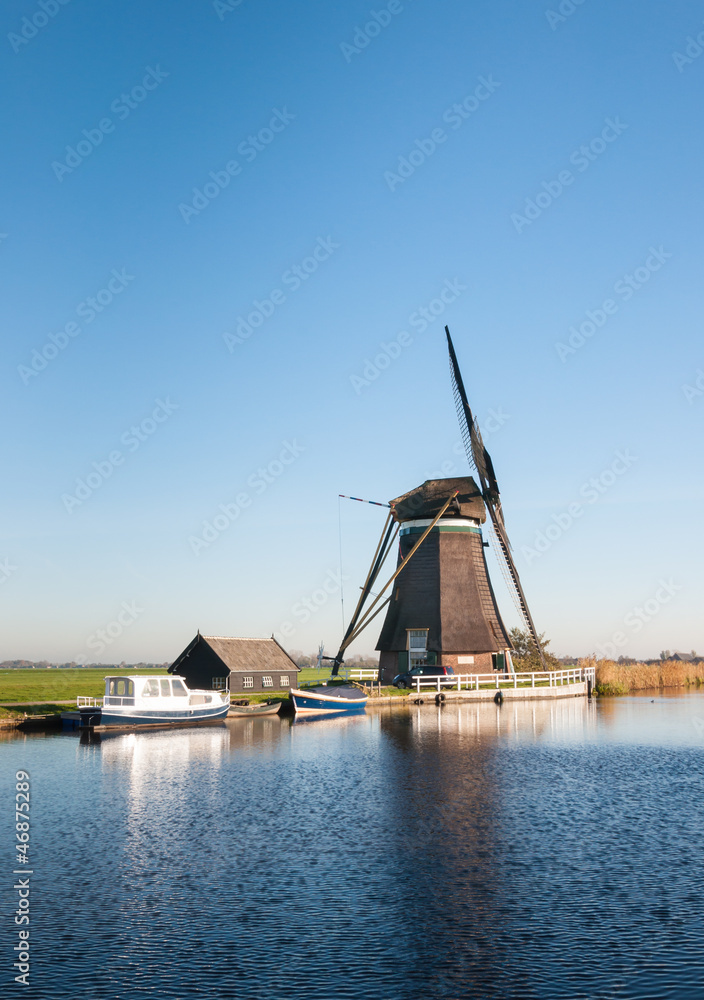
119	687
151	688
165	686
179	689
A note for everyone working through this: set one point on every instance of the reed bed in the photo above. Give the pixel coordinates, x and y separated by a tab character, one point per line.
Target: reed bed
622	678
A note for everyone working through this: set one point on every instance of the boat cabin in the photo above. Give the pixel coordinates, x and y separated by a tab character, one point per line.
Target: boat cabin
141	690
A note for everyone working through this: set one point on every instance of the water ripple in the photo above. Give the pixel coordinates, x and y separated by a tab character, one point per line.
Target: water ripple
434	853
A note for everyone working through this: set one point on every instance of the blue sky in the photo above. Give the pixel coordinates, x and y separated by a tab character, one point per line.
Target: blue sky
329	174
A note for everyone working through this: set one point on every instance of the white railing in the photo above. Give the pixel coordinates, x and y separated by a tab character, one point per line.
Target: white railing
363	675
83	702
501	681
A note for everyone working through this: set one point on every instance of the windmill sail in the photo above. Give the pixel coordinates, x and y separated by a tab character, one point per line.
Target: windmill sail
480	460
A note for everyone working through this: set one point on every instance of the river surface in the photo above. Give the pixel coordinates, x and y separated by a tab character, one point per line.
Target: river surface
546	850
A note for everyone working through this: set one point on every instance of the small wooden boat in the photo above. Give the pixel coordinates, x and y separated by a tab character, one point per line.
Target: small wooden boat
324	698
136	700
255	710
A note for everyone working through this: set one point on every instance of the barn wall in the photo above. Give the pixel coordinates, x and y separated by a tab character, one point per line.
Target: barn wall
237	680
200	666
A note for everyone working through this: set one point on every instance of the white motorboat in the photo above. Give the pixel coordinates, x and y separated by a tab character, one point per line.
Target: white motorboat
137	700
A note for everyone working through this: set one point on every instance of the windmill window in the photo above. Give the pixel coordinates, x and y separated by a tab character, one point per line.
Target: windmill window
267	682
417	647
247	682
418	639
219	683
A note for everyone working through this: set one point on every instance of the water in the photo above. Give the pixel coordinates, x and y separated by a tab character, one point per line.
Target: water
548	850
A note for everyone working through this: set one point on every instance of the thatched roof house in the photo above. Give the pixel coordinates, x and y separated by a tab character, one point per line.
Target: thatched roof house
247	665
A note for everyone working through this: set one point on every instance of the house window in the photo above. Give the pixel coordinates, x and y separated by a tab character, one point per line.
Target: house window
219	684
284	681
247	682
267	682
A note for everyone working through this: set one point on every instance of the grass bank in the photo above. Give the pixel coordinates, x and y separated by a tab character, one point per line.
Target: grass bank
57	685
623	678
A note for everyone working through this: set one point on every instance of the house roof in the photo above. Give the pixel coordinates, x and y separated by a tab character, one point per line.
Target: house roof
426	501
243	655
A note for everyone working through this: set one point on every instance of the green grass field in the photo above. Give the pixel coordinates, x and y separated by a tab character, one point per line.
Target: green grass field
56	685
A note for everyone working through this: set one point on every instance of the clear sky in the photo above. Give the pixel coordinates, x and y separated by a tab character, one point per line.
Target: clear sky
222	226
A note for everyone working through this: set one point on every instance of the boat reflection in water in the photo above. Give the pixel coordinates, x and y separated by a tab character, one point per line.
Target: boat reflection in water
338	719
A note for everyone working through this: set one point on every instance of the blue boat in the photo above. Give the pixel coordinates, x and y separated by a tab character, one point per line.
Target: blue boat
323	698
136	701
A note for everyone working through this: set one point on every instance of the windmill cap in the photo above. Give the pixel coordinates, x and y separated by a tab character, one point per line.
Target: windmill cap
427	500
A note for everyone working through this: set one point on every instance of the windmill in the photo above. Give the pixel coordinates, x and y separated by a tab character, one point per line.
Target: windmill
442	609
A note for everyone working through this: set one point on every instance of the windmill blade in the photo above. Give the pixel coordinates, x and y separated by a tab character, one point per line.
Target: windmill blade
479	452
464	413
477	455
480	460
